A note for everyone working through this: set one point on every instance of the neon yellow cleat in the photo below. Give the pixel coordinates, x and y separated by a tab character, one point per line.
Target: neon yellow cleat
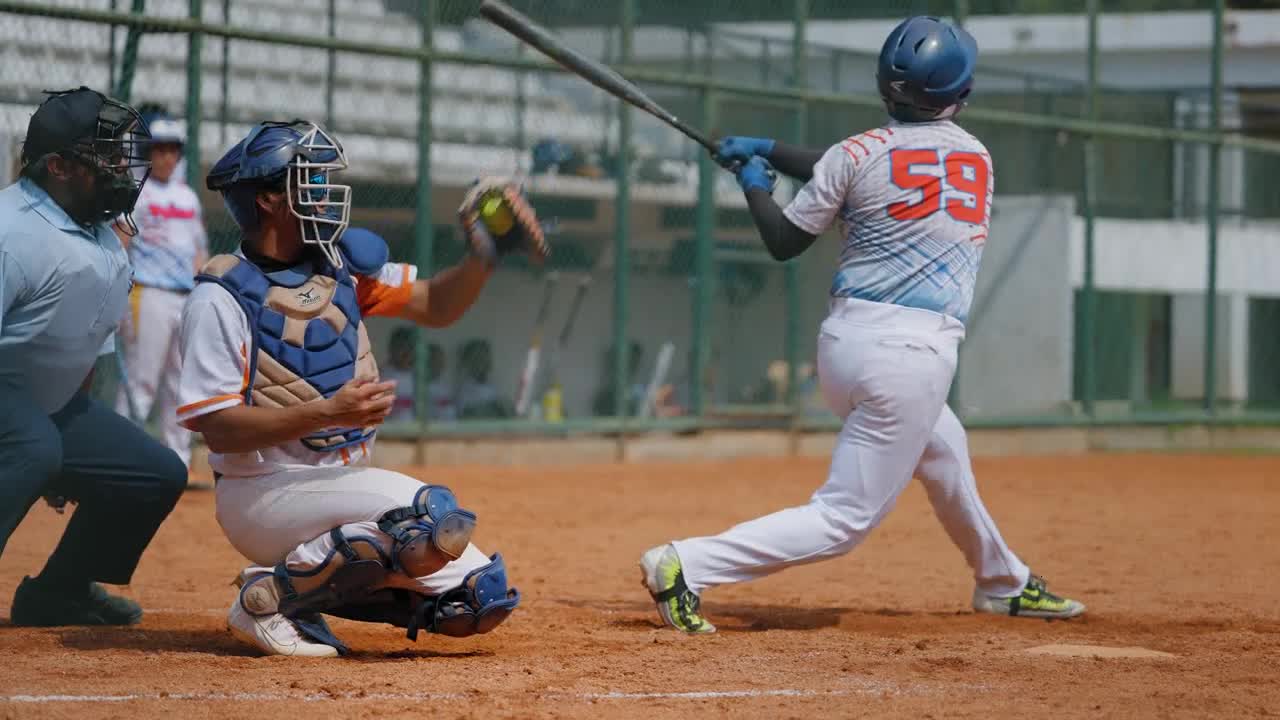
663	576
1035	602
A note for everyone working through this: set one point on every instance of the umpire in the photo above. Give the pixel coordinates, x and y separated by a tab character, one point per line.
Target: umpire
64	285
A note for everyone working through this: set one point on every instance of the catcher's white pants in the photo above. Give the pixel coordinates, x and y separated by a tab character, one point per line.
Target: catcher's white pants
286	516
152	364
886	370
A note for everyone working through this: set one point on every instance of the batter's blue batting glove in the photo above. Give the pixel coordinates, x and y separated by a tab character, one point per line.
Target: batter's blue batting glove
757	173
738	150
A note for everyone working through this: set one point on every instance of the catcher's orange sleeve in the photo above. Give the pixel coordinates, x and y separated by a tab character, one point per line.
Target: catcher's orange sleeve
388	292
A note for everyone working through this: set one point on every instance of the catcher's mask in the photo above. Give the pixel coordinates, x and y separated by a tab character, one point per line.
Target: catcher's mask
102	134
297	158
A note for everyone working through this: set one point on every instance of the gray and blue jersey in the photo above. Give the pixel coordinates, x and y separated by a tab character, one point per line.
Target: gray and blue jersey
914	202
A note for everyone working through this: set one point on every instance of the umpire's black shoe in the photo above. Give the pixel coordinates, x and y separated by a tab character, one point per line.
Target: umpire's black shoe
35	605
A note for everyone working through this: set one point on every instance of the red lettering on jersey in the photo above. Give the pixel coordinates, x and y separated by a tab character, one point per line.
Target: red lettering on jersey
171	212
849	151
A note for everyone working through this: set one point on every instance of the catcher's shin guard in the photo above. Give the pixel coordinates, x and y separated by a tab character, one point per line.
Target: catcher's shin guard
429	534
479	605
355	568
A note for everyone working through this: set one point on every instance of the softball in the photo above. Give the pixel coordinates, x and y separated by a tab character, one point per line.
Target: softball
495	214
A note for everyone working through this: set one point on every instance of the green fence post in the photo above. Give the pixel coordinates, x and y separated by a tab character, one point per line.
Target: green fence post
962	12
622	223
111	52
129	63
195	46
331	68
791	270
521	102
1088	373
224	107
1211	219
703	265
423	222
764	61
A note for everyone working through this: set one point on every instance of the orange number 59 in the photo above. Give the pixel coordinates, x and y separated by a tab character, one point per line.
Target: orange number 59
971	209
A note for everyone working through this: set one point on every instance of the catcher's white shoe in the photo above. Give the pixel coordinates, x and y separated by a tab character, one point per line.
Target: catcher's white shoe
273	634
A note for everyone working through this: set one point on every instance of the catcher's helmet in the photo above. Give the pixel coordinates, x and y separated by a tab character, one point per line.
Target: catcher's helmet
926	69
296	158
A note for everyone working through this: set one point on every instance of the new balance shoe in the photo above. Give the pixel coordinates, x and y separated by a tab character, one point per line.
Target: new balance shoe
1035	602
663	576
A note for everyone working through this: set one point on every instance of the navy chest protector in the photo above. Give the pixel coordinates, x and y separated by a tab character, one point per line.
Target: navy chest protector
308	338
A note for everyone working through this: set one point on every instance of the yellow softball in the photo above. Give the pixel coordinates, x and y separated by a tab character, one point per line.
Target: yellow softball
495	214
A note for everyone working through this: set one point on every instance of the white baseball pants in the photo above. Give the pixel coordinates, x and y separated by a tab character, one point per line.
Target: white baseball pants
286	517
152	363
886	370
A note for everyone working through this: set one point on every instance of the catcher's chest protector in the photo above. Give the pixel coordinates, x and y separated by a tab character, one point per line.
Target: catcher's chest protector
308	338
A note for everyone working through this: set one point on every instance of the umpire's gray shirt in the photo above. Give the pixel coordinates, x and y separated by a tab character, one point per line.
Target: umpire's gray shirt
63	289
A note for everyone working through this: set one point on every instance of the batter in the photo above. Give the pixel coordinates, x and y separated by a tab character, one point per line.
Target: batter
914	200
278	376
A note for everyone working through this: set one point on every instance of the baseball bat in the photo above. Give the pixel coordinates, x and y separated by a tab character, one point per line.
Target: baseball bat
661	369
567	330
594	72
533	356
551	375
122	369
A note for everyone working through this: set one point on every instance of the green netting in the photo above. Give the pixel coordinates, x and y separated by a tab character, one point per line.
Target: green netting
666	250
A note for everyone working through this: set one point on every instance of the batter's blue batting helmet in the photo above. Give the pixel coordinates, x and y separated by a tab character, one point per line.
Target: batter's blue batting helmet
296	158
926	68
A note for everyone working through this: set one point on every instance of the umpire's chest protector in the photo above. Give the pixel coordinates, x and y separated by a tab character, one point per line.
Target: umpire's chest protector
308	337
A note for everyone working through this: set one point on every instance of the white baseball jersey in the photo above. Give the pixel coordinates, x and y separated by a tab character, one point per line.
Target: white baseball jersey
915	203
171	236
216	341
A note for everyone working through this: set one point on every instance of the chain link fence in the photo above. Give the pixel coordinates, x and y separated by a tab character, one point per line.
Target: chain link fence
654	251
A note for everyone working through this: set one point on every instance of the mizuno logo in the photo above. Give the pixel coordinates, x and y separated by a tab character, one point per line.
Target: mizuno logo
897	85
307	297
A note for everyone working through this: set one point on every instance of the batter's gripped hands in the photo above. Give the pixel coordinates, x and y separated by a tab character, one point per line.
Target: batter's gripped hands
360	403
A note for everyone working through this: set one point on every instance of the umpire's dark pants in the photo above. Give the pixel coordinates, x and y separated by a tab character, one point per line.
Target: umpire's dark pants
124	482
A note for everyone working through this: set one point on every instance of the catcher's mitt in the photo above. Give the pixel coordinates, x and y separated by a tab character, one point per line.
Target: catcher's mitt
498	220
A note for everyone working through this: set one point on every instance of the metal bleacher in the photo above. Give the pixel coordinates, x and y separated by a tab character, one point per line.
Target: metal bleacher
375	98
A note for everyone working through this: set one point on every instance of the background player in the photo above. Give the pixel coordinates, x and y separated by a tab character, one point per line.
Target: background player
278	376
64	285
170	247
914	199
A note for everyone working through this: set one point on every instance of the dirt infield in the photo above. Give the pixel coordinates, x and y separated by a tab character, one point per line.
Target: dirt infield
1176	554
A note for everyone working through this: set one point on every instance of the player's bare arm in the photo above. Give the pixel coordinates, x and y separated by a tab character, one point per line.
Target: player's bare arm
496	220
442	300
248	428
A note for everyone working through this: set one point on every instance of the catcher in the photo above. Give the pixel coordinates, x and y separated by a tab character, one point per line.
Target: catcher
278	377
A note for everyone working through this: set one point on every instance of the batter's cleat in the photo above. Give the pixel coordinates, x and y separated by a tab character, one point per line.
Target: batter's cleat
273	634
1035	602
37	605
677	604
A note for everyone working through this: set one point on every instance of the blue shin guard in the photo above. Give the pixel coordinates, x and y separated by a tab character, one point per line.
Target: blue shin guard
429	534
479	605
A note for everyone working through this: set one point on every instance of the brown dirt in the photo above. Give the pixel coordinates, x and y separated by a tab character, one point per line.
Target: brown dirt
1172	553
